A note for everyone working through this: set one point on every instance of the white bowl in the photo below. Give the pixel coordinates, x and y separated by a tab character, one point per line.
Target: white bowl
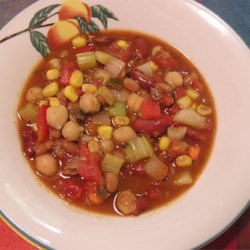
221	193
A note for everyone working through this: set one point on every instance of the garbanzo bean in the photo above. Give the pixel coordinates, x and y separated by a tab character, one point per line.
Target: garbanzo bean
124	134
89	103
57	116
46	165
71	131
111	182
126	202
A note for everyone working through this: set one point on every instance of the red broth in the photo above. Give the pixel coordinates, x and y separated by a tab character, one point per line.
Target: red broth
122	125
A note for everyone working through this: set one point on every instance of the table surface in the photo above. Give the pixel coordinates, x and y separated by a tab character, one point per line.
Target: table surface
237	14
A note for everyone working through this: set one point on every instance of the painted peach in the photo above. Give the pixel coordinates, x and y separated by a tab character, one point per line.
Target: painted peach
74	8
61	32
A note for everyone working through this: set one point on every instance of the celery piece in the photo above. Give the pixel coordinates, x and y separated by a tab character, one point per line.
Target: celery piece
102	57
29	112
105	95
138	149
118	108
115	83
86	60
112	163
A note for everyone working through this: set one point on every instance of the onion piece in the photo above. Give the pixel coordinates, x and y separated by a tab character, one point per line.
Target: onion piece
190	118
114	66
101	118
121	95
156	169
184	178
177	133
146	69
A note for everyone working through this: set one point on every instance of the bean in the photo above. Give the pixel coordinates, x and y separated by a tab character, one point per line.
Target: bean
126	202
111	182
131	84
54	133
71	131
34	94
57	116
69	147
89	103
44	147
124	134
107	146
46	164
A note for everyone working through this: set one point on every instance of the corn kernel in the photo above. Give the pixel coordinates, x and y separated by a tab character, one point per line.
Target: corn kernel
53	101
51	89
52	74
204	110
70	93
93	146
193	94
76	79
89	88
79	41
121	120
194	106
105	132
184	161
122	44
154	67
184	102
42	102
164	143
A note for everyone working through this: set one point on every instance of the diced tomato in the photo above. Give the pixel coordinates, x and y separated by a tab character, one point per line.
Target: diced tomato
86	48
92	193
65	73
179	92
144	81
83	149
194	151
156	78
71	190
29	141
150	110
142	203
195	135
177	148
90	169
164	61
79	92
41	124
174	109
168	100
141	47
197	85
122	54
153	128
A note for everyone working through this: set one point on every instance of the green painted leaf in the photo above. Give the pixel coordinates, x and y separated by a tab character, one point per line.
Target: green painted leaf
92	27
102	13
40	43
42	15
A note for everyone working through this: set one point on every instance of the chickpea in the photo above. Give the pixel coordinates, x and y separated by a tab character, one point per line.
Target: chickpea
34	94
89	103
124	134
57	116
46	164
71	131
126	202
111	182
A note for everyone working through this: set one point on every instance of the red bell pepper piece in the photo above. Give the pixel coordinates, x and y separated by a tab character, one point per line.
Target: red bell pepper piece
197	85
42	125
153	128
86	48
150	110
65	73
90	169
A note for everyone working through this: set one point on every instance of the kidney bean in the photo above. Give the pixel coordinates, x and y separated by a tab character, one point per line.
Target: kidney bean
44	147
144	81
29	141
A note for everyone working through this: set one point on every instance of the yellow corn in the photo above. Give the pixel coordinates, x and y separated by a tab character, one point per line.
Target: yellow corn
52	74
79	41
194	106
184	161
43	102
122	44
164	143
121	120
192	94
93	146
53	101
154	67
184	102
76	79
105	132
89	88
70	93
51	89
204	110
